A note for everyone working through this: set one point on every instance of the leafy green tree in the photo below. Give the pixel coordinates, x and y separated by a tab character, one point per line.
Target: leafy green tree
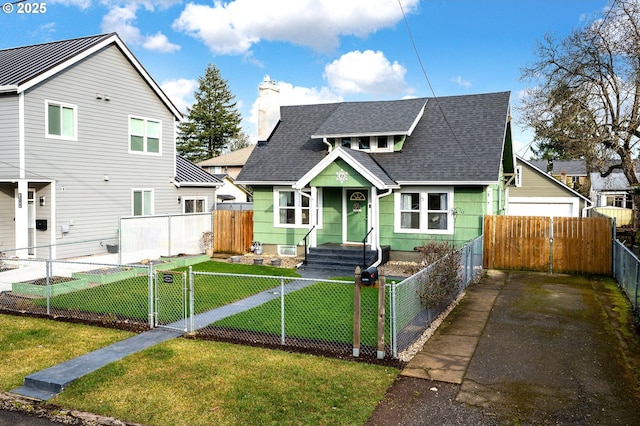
211	122
240	141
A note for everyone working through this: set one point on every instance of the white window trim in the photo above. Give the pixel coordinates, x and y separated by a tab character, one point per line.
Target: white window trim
48	102
373	143
144	140
153	200
423	191
186	198
298	209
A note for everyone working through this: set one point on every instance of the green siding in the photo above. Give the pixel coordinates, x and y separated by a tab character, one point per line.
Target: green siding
263	229
470	203
328	177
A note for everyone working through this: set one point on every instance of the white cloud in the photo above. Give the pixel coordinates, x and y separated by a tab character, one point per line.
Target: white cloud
180	92
233	27
366	72
121	19
159	43
461	82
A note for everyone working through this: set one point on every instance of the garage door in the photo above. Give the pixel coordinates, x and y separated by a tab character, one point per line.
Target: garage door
541	209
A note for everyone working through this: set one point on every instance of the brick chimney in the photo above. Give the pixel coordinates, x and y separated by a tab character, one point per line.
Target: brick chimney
268	107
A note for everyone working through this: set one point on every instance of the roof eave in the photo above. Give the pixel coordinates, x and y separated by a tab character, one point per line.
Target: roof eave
113	38
9	88
198	184
448	183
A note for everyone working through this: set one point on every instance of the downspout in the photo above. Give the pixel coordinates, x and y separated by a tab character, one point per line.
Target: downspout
377	226
324	141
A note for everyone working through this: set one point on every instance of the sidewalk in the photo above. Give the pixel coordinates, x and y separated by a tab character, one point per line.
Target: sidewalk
523	348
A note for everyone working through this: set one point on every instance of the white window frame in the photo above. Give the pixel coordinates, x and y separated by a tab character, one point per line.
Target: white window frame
143	191
354	143
297	201
61	105
518	176
186	199
423	210
145	148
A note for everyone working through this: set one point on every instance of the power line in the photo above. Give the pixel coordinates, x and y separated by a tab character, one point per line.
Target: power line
424	72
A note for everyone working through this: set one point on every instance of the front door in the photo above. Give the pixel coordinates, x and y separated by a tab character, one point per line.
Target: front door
357	214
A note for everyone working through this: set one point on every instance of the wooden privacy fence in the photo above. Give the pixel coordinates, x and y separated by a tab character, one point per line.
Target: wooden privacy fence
560	244
232	231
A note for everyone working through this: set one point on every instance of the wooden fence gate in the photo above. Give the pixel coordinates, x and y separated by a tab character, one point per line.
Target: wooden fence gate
560	244
232	231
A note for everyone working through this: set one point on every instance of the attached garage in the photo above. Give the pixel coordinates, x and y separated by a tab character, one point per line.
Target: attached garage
536	193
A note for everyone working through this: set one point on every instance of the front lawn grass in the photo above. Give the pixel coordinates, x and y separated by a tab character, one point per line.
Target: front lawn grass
323	311
129	298
28	345
194	382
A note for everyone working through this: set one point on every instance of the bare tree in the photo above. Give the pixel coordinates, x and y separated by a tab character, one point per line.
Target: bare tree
586	99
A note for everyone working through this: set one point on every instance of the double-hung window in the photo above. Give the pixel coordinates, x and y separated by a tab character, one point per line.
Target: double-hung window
424	210
61	120
292	208
195	204
142	202
144	135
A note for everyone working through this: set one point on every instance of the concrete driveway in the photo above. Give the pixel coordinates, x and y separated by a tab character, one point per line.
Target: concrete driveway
524	348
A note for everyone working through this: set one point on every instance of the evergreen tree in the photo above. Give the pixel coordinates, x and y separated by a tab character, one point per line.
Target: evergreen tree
212	121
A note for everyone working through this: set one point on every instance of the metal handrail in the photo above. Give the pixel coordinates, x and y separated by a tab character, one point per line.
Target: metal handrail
364	249
305	244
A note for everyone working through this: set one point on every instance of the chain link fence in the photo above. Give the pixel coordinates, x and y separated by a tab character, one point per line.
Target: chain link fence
419	299
626	270
104	294
313	315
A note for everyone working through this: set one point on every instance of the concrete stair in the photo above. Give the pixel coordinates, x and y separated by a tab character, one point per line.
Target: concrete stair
341	259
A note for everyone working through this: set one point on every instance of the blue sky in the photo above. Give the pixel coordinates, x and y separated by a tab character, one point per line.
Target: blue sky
318	50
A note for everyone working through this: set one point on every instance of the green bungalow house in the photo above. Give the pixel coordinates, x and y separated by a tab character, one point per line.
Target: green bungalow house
390	174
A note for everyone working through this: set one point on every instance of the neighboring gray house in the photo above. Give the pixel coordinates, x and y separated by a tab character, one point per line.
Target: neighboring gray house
537	193
87	137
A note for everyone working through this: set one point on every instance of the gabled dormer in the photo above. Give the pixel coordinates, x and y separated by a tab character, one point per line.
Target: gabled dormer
371	126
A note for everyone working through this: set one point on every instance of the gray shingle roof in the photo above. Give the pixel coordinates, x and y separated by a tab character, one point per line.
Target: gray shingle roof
371	118
188	173
570	167
21	64
471	153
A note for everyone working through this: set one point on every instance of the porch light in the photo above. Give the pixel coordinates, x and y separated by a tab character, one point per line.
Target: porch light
42	201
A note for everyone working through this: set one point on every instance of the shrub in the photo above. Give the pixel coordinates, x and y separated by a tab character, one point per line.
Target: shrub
440	279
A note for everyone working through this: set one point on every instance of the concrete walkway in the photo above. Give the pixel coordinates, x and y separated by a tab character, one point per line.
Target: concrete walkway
526	348
46	384
446	355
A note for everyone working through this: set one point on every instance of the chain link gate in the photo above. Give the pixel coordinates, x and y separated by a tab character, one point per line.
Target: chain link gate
171	300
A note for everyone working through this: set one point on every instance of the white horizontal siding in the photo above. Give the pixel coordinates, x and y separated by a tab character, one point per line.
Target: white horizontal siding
86	201
9	154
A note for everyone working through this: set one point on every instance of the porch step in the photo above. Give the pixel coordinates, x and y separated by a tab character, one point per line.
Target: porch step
341	259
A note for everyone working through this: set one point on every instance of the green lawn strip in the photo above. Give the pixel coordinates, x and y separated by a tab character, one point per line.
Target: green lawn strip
193	382
28	345
129	298
323	311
